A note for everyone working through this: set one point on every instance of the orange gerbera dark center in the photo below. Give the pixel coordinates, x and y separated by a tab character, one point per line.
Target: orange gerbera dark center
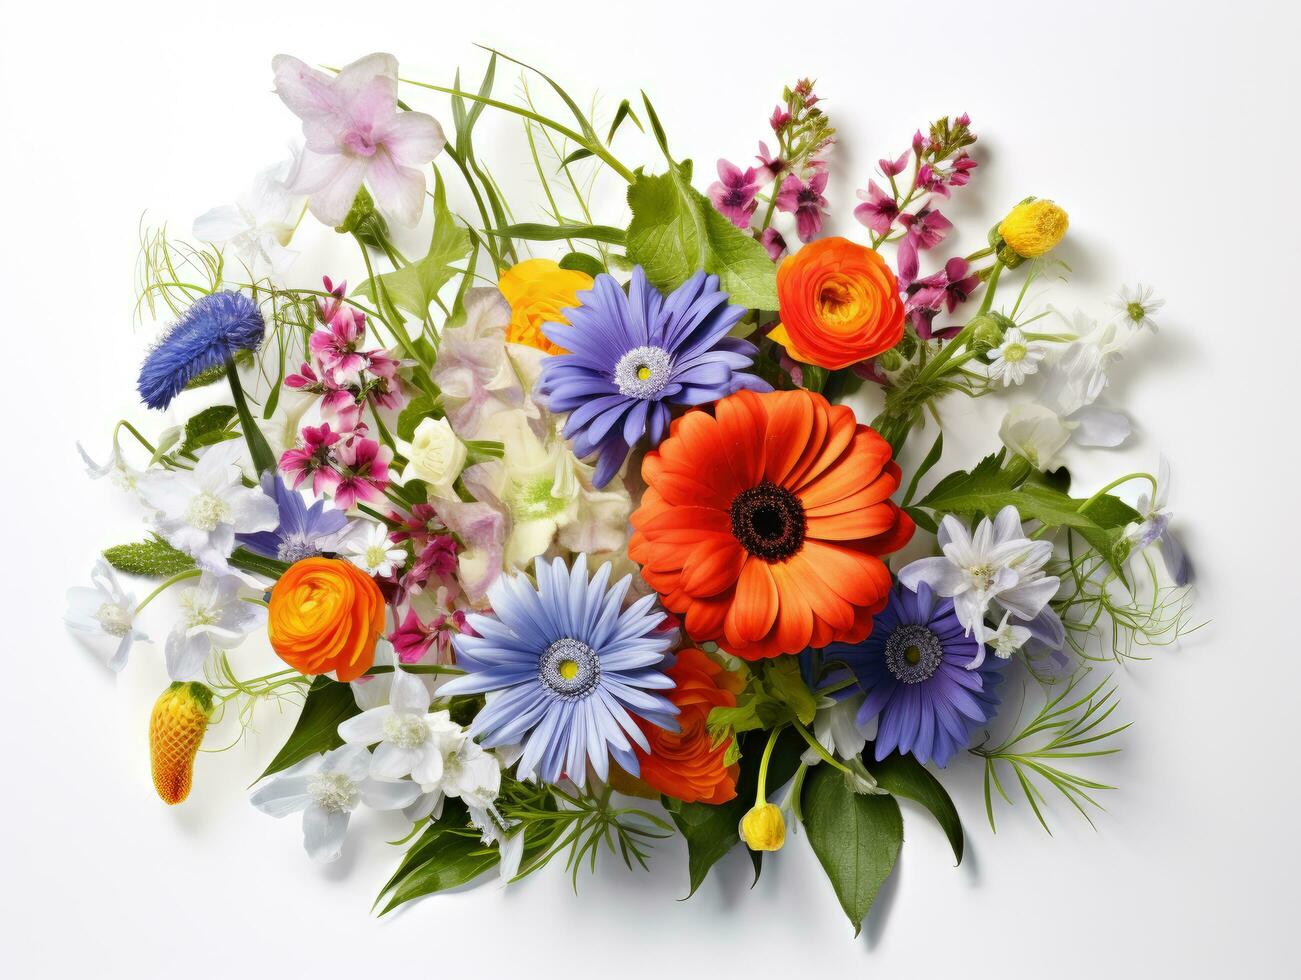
769	521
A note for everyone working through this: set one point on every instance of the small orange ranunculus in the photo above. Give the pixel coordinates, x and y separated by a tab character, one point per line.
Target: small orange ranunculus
537	290
686	765
325	615
840	304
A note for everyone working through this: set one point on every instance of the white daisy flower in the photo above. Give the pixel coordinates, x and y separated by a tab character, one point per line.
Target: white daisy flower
1016	358
1137	304
373	552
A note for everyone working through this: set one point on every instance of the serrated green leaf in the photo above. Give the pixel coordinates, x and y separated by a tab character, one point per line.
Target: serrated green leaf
675	232
856	838
210	426
154	558
902	775
414	287
317	730
416	411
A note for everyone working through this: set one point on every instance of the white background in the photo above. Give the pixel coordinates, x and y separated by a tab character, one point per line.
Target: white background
1170	133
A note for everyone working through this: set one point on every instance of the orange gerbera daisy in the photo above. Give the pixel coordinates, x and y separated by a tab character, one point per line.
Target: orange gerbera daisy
763	523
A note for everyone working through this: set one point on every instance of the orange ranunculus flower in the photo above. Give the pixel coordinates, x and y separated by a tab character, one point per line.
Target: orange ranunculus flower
325	615
686	765
763	523
537	290
840	304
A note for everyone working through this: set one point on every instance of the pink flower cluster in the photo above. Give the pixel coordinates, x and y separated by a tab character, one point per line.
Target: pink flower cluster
911	218
796	172
339	456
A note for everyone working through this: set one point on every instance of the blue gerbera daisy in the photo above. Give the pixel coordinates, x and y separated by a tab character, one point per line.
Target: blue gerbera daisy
210	333
571	670
632	356
915	668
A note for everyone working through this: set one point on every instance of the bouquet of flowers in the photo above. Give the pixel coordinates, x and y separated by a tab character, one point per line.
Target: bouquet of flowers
535	537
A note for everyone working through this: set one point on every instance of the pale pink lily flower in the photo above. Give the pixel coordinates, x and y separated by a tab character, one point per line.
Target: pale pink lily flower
354	134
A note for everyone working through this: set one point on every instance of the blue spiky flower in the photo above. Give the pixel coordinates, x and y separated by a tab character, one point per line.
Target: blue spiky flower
209	334
572	670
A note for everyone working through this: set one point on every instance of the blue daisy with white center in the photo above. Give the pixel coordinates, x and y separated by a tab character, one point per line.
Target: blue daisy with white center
570	671
633	356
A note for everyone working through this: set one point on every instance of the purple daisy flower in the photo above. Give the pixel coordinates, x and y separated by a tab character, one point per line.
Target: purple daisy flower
635	355
914	670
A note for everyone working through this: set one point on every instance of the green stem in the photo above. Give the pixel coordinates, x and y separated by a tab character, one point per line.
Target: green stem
761	794
1115	483
816	746
264	460
178	577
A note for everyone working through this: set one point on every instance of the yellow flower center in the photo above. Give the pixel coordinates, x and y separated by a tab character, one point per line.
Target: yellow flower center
568	669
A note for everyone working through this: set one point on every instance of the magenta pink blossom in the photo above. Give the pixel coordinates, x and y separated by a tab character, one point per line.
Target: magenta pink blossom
413	639
316	458
336	347
925	229
733	193
779	119
806	202
774	242
363	470
878	210
354	133
770	167
893	168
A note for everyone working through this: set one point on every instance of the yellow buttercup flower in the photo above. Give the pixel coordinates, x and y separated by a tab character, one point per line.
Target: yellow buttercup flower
176	728
764	828
537	290
1034	228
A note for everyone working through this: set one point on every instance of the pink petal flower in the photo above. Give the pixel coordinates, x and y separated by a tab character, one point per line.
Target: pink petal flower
354	133
893	168
878	210
734	192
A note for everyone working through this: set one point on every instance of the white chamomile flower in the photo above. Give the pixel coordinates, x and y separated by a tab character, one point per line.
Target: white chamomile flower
373	552
200	511
327	789
412	740
212	615
1008	638
470	773
105	610
1015	358
1137	304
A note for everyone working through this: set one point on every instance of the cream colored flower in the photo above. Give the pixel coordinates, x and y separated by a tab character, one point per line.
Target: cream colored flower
435	455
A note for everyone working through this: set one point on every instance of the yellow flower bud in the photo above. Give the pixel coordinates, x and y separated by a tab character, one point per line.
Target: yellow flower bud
176	728
764	828
1034	228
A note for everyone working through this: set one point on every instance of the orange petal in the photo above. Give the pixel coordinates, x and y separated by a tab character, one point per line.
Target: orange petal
755	606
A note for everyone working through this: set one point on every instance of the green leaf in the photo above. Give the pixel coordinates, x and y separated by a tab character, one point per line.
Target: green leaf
657	128
210	426
414	287
993	485
856	838
534	232
417	410
675	232
623	112
450	860
155	558
932	457
248	561
902	775
582	262
782	678
328	703
582	153
711	831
